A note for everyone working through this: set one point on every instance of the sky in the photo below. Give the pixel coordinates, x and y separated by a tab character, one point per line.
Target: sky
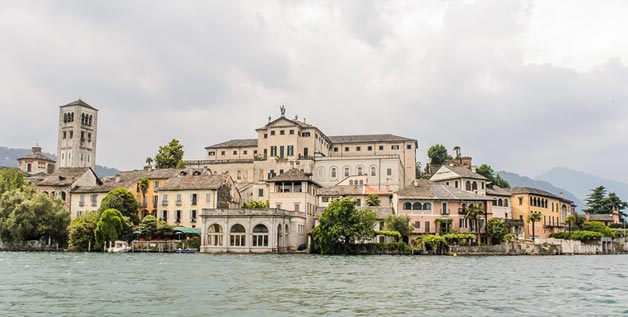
521	85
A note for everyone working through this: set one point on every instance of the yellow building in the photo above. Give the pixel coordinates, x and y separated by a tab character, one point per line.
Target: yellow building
553	210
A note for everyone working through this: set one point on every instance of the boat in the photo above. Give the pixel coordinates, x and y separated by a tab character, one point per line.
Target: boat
119	247
186	250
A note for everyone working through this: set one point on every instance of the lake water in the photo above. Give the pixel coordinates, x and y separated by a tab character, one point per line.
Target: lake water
92	284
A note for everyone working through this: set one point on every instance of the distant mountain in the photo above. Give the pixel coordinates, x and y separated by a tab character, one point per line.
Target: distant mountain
581	183
9	156
516	180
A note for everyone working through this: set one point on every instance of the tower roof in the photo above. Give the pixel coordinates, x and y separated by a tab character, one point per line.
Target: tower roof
79	102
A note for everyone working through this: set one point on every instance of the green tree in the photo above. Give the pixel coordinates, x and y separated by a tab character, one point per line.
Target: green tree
496	230
122	200
342	225
488	172
255	204
164	229
11	179
170	155
110	226
373	200
533	217
597	202
618	204
148	227
418	170
28	215
438	154
81	231
474	214
149	163
399	223
570	220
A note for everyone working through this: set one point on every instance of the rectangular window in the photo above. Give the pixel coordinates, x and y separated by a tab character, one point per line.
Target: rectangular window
291	132
297	206
427	227
179	198
381	147
389	171
325	199
211	153
155	200
164	200
71	134
409	146
335	149
273	150
245	152
394	147
346	149
194	199
272	132
290	150
306	152
177	216
265	135
278	205
192	215
235	152
417	224
164	215
281	151
82	201
64	134
94	198
156	184
358	148
222	152
369	148
444	209
260	192
282	132
208	197
520	201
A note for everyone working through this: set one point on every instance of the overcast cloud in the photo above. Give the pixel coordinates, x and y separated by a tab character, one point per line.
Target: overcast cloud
521	85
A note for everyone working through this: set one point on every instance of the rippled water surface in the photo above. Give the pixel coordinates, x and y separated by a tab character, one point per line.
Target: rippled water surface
79	284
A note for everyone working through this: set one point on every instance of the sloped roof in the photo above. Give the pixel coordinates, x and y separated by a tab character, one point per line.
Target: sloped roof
497	191
424	189
235	143
65	176
601	217
79	102
194	182
341	190
127	178
295	122
532	191
461	171
292	174
36	156
365	138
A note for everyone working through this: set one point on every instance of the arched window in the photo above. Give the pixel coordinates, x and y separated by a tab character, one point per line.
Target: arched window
72	117
546	202
260	236
286	230
360	171
333	172
427	206
62	195
467	185
347	171
239	174
407	205
506	202
373	171
456	185
65	118
215	236
500	202
90	120
474	186
417	206
237	236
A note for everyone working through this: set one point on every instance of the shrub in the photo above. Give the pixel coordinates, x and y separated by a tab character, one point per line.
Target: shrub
597	226
509	237
389	233
580	235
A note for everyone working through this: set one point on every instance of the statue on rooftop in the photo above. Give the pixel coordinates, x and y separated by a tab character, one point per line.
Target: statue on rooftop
283	110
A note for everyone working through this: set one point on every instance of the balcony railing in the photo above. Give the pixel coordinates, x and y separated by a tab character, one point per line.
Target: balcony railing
81	203
445	212
194	202
164	203
94	203
178	203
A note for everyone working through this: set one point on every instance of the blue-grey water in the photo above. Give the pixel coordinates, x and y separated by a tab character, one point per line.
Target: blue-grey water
92	284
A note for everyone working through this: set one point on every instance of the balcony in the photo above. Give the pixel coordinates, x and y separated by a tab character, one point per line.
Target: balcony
178	203
177	220
445	212
462	211
194	202
193	220
94	204
81	203
164	203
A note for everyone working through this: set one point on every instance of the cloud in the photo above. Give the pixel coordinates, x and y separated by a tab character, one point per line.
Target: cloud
493	77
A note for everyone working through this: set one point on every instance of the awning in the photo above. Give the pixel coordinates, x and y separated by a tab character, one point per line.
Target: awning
185	230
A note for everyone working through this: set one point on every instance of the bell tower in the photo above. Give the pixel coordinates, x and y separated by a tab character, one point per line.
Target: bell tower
78	126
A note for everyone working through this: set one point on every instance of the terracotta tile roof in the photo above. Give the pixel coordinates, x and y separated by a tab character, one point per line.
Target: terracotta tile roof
65	176
235	143
497	191
424	189
194	182
366	138
79	102
601	217
342	190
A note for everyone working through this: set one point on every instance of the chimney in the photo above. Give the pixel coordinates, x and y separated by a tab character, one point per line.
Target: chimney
117	178
466	161
562	195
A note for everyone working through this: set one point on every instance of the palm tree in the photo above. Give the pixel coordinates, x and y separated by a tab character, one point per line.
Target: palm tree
372	200
474	213
570	220
534	217
142	186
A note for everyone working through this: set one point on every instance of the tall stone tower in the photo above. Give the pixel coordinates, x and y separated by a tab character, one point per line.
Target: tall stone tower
78	126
